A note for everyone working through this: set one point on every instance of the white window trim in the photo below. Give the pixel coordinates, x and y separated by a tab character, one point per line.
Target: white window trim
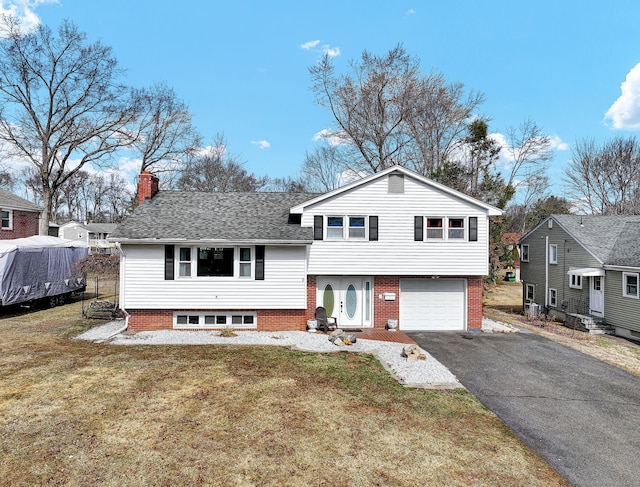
575	281
553	260
464	228
553	297
194	262
346	227
10	227
524	254
625	275
228	317
531	287
443	228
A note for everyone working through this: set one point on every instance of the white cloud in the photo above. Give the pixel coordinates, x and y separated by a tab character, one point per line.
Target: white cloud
263	144
625	111
558	144
331	51
24	11
309	45
411	11
332	137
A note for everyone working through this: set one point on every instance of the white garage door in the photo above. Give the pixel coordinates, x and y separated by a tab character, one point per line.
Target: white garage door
432	304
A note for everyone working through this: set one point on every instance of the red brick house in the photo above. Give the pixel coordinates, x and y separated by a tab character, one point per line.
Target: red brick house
394	247
20	217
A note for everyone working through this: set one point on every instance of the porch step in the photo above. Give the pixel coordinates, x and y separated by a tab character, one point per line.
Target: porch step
588	324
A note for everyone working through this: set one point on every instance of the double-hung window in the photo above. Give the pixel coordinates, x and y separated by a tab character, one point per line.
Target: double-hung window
530	292
435	229
184	262
245	261
630	285
7	219
525	252
553	297
335	227
456	229
553	253
357	228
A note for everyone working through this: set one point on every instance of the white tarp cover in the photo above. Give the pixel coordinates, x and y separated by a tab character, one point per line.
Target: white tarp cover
38	267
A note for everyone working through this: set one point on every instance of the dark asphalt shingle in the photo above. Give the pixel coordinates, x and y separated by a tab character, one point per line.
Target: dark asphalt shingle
194	215
10	201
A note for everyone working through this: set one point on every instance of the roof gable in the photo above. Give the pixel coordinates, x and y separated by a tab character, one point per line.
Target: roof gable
491	210
610	239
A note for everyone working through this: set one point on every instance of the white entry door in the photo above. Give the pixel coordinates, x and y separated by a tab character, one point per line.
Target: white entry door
348	299
596	296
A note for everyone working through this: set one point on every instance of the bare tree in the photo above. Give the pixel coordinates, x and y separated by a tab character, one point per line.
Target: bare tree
371	105
387	112
216	170
165	133
606	179
439	123
323	167
61	105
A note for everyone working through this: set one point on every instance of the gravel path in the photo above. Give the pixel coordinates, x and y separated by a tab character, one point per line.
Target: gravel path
427	373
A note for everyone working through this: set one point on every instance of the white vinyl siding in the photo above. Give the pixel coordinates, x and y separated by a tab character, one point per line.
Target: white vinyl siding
396	252
284	286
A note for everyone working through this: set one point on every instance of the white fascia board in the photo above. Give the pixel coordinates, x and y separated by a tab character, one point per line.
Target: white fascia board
158	241
491	210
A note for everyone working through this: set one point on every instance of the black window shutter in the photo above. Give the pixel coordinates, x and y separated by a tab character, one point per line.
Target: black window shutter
317	227
418	233
473	229
169	252
259	262
373	228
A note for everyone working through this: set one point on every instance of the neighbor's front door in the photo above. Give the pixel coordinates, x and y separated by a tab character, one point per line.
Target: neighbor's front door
343	298
596	296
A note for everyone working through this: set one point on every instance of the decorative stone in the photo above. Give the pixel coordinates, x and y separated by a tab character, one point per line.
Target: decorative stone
413	353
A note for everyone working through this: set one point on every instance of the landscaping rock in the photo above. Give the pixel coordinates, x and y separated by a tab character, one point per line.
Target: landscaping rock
413	353
339	337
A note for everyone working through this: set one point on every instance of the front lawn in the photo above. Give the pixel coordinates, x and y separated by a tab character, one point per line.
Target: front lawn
77	414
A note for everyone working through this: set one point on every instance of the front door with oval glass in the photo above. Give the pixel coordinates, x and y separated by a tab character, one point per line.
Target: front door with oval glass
348	299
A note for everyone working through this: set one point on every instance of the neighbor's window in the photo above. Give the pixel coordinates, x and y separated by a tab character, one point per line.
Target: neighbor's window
553	297
185	262
575	281
335	227
245	262
630	285
530	292
456	228
7	222
525	253
356	227
553	253
215	261
435	228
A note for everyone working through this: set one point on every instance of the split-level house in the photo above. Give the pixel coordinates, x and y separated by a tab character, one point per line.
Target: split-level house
20	218
392	246
585	270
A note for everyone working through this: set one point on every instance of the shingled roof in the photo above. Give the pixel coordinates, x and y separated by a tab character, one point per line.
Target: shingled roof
611	239
10	201
232	217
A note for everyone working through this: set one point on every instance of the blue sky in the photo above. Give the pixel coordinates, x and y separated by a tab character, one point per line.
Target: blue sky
242	68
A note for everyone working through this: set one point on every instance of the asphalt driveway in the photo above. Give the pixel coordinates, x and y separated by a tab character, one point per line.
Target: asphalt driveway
580	414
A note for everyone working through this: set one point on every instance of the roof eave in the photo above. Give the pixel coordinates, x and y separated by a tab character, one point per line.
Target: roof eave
186	241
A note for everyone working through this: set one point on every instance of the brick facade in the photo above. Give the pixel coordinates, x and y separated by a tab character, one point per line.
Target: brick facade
25	224
296	319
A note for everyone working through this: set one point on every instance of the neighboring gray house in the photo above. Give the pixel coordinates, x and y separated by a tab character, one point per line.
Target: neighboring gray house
94	235
585	270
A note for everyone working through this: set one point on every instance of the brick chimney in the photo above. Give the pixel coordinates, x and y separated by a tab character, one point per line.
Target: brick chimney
147	186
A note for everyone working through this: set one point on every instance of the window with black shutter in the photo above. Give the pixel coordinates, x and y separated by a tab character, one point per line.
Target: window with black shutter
473	229
169	251
259	262
373	228
317	227
418	232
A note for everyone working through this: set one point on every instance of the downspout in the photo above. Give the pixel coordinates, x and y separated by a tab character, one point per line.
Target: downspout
121	290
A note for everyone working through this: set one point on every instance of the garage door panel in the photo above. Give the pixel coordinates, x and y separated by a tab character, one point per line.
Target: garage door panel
432	304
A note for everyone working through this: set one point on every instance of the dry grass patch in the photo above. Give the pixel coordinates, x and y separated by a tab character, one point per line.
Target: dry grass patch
77	414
